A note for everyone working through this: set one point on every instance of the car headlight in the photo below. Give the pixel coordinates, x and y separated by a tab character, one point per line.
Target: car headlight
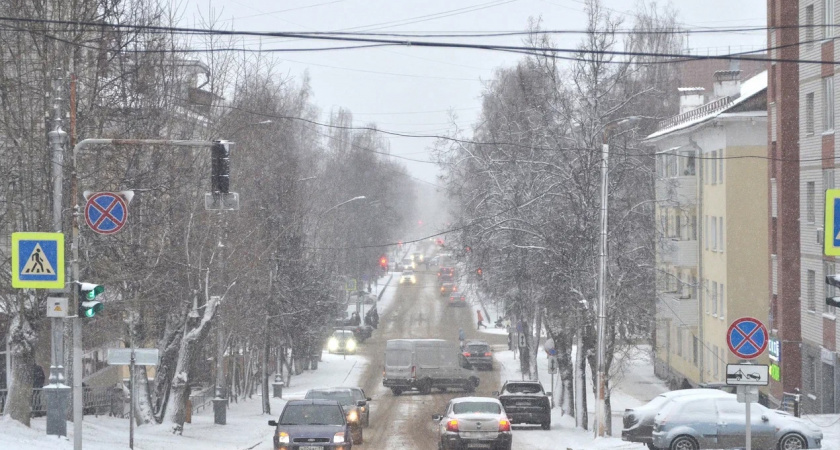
332	344
283	437
352	416
338	438
351	344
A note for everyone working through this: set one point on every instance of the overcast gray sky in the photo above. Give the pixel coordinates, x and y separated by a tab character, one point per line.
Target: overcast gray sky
413	89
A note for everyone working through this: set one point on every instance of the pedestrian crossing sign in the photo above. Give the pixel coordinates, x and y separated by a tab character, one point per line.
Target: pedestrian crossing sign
38	260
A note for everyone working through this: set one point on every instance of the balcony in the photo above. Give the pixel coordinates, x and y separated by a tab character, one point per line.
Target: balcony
682	311
679	253
680	190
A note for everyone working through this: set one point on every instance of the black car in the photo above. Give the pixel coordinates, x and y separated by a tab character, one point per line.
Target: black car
478	353
311	423
526	402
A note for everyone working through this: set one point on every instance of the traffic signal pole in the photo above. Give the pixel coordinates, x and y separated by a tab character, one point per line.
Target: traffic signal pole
78	395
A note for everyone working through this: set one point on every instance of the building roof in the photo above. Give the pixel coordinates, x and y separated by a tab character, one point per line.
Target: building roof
749	89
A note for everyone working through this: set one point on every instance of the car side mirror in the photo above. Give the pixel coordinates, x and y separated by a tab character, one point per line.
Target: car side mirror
361	403
437	417
764	418
273	423
369	399
548	394
495	393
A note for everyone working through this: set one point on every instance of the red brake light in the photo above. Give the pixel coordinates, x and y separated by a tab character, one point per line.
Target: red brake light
466	353
413	372
488	354
452	425
504	425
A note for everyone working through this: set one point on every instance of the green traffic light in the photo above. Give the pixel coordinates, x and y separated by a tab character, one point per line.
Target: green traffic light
90	313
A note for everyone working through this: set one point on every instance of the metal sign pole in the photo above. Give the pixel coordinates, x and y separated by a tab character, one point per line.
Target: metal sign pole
131	396
749	421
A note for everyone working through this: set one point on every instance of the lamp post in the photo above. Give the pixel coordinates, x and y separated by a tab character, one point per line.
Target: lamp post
600	404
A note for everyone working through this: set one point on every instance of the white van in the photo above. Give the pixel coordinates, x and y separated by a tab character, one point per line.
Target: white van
423	364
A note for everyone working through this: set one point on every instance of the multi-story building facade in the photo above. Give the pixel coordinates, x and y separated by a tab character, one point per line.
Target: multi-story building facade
818	100
710	187
783	219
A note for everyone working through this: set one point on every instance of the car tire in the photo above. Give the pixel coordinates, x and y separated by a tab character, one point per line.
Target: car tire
361	438
396	391
546	425
683	443
650	446
442	389
792	441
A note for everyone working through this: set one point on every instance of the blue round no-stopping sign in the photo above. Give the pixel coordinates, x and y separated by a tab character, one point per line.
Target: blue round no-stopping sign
747	338
106	212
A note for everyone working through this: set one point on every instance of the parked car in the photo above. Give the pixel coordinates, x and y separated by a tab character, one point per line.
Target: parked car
473	422
407	263
423	364
408	277
526	402
342	341
417	257
456	299
320	423
638	421
447	289
362	401
479	354
692	423
349	405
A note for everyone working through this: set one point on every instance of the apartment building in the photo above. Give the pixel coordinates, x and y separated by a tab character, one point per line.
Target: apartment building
817	108
710	188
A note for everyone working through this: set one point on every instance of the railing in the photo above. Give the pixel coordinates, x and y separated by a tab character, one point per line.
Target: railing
695	113
202	399
99	400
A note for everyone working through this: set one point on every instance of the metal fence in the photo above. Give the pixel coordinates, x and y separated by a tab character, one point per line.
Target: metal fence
97	400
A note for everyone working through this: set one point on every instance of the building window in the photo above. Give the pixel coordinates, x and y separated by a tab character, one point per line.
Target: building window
809	290
828	19
695	344
713	232
809	113
809	202
722	307
720	234
809	25
720	167
714	298
706	232
828	104
830	291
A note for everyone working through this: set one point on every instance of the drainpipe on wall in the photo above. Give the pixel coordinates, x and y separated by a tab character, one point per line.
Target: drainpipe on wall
701	291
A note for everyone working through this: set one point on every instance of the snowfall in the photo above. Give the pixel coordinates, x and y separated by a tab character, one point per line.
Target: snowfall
247	427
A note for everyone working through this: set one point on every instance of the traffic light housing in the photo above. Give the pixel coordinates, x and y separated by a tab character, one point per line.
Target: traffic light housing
832	280
88	305
220	158
383	262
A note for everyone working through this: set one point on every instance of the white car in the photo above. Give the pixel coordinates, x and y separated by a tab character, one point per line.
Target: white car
474	422
408	277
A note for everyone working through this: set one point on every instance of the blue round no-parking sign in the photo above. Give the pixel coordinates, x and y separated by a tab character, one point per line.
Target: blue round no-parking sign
106	212
747	338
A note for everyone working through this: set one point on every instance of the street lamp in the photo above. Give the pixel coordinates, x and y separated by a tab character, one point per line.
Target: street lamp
361	197
600	403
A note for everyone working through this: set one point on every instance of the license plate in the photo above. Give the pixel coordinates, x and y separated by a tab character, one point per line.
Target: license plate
311	447
523	404
478	445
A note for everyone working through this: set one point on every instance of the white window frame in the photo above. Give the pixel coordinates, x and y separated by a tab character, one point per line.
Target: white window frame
828	104
810	202
828	19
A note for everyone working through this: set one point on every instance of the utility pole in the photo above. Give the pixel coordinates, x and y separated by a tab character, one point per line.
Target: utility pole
58	393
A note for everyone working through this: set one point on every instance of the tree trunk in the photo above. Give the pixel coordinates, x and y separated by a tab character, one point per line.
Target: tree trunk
534	345
581	419
142	406
22	346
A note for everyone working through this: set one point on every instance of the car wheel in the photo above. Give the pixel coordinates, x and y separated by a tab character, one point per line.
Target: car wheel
792	441
396	391
358	438
546	425
683	443
650	446
442	389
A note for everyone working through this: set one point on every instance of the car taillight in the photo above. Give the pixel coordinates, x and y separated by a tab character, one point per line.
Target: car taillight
467	354
488	354
452	425
504	425
413	372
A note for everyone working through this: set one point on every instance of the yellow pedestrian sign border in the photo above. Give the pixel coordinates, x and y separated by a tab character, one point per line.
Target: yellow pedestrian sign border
37	260
832	223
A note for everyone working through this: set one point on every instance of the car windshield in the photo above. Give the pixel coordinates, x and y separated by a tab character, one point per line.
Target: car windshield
343	397
522	388
312	415
343	334
476	407
478	348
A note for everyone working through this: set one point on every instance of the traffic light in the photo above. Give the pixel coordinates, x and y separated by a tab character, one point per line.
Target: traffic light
88	305
832	280
479	272
220	158
383	262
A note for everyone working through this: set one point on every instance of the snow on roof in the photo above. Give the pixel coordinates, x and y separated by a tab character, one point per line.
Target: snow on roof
749	89
691	89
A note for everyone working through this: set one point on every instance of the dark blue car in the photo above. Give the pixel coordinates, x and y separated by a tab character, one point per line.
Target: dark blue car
311	425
